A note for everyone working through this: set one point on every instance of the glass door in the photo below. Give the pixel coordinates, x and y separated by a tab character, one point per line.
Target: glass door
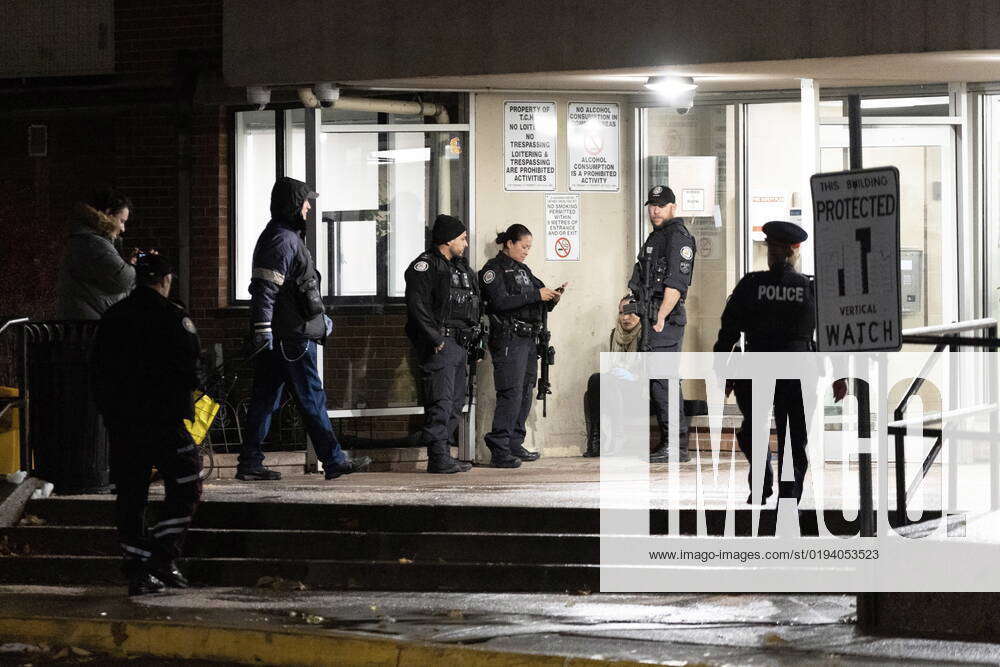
925	157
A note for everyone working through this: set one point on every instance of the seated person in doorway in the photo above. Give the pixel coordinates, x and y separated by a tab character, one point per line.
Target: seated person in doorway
623	338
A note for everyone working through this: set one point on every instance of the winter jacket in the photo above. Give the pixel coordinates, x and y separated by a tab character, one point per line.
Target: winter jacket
285	292
93	276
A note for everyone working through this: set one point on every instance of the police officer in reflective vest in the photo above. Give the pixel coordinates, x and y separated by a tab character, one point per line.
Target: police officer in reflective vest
776	311
443	311
288	320
516	302
145	360
660	281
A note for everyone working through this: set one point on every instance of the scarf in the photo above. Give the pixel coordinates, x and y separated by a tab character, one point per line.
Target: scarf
625	341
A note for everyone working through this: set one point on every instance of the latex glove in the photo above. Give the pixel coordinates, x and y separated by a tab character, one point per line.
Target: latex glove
264	339
329	324
622	374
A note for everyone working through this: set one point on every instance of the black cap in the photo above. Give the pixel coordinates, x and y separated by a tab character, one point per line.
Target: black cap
446	228
151	268
780	231
660	195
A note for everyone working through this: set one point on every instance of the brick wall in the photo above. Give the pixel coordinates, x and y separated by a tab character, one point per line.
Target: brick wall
143	142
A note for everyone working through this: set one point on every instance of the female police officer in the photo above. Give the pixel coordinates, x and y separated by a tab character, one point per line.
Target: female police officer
516	302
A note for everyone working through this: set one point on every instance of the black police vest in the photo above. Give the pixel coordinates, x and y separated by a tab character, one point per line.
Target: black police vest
784	306
462	306
517	279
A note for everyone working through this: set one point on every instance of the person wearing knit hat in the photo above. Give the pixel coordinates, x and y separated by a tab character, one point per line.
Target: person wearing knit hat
443	311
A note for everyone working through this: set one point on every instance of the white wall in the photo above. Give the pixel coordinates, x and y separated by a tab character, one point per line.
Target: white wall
581	322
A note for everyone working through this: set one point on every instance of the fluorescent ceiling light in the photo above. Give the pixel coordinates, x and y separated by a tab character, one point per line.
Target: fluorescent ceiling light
670	84
898	102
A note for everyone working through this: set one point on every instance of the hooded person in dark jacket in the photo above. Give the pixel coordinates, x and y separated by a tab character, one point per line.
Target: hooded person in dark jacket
288	320
94	276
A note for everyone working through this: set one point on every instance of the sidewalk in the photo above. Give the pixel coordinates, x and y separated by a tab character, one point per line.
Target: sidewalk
371	628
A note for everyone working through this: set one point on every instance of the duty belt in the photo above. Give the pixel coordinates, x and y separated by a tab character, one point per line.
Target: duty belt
461	336
522	329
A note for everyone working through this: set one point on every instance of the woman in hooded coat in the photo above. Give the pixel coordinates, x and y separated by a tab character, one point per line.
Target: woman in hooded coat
94	276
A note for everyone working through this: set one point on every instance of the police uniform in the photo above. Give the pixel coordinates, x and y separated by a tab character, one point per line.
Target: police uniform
776	311
665	260
513	302
146	365
287	314
443	308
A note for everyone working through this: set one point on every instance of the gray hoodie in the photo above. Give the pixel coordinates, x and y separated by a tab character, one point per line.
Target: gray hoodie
93	276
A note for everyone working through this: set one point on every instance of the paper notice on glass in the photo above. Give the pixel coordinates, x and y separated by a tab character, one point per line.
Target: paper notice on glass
766	205
693	180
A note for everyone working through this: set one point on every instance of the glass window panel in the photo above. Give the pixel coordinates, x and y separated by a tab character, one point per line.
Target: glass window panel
774	172
295	144
350	179
704	132
255	174
408	177
335	116
356	262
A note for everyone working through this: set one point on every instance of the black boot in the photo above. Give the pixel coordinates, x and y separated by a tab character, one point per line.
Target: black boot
524	454
169	574
441	462
142	582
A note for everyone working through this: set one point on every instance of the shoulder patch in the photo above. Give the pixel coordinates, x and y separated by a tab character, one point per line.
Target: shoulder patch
421	266
687	252
188	325
489	276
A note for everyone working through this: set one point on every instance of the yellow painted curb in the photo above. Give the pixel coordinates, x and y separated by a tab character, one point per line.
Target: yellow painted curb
258	646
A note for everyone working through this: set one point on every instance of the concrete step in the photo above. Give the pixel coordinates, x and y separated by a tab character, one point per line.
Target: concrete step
302	516
316	574
319	545
430	519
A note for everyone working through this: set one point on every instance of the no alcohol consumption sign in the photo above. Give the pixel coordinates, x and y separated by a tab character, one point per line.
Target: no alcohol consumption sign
856	222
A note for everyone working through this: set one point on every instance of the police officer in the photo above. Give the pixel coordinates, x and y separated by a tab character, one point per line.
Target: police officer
443	311
516	302
145	360
776	311
660	281
288	320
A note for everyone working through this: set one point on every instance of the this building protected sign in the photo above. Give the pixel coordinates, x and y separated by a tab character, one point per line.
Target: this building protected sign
856	223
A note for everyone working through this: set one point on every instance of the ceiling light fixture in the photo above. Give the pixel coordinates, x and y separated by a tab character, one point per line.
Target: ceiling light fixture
670	84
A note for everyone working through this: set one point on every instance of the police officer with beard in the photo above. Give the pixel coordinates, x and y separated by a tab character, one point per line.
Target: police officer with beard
660	281
443	311
516	302
776	309
145	361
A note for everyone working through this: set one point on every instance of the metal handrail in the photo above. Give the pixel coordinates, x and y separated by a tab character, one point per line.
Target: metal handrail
13	321
941	336
954	327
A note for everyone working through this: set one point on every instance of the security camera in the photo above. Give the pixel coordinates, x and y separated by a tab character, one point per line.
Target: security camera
683	102
258	96
326	93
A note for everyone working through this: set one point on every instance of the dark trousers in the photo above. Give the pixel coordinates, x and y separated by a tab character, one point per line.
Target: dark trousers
135	450
291	363
789	413
444	375
668	340
515	370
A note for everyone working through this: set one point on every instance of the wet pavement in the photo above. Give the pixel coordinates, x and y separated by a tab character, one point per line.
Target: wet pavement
659	629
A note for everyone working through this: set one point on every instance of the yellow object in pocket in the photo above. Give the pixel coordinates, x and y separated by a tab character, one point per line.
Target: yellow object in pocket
205	410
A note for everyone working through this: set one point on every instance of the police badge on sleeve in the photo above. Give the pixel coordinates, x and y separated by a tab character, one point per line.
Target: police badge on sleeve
421	266
489	276
687	252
